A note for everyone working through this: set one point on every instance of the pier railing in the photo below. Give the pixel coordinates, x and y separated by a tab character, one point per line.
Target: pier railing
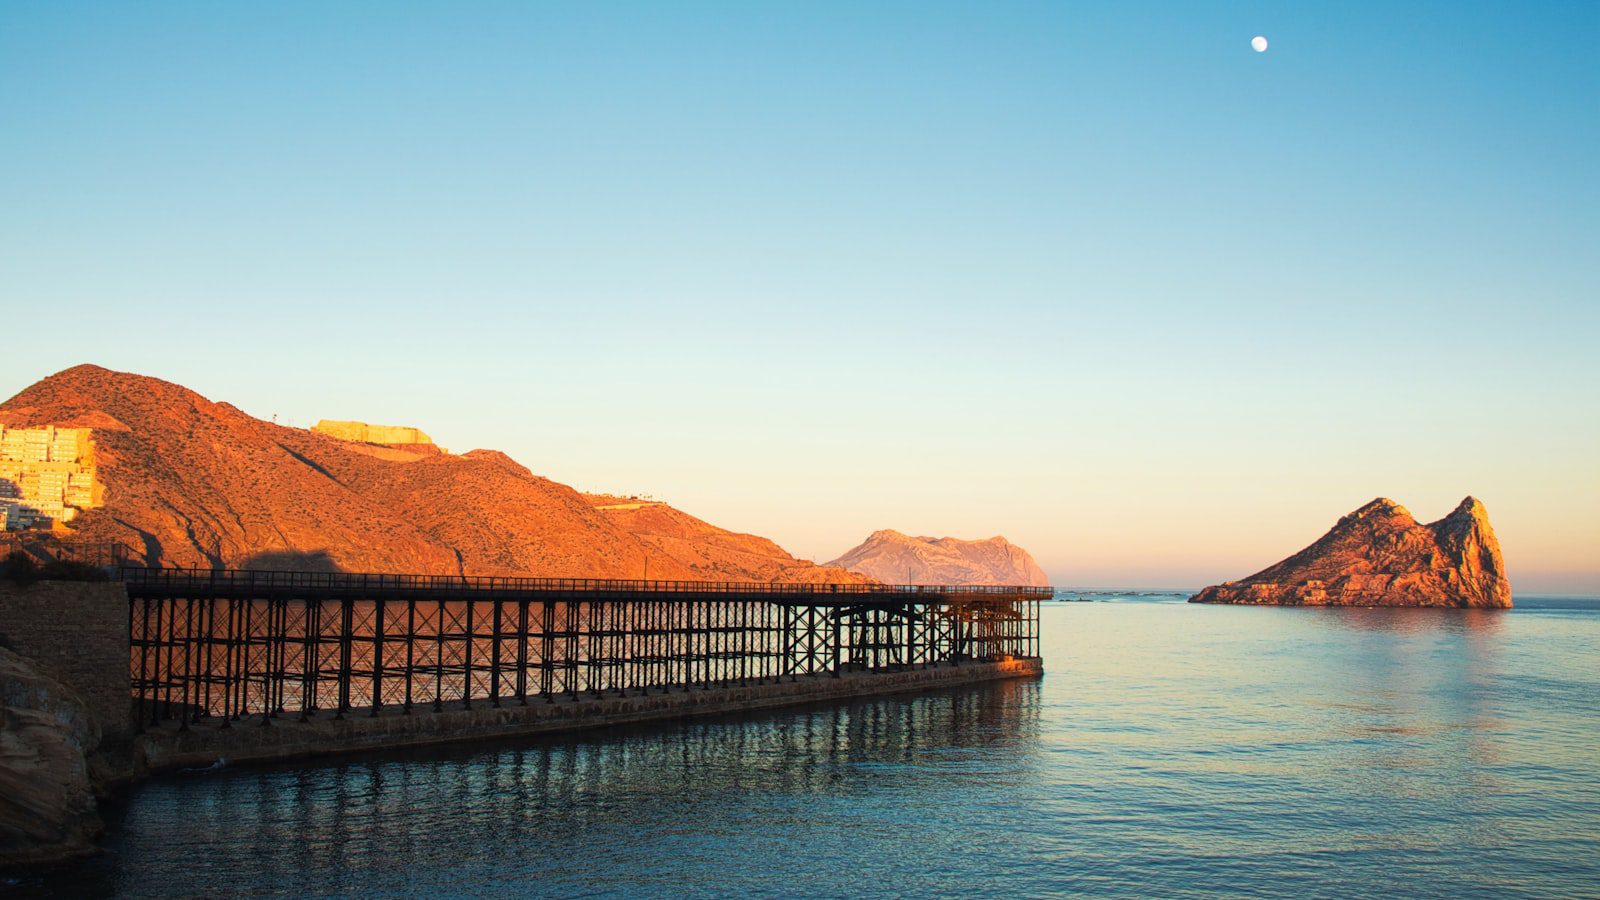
358	583
222	645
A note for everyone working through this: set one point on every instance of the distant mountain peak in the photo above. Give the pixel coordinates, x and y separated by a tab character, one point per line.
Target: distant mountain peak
897	558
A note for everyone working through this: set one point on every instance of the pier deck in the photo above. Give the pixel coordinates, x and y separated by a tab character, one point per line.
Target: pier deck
214	651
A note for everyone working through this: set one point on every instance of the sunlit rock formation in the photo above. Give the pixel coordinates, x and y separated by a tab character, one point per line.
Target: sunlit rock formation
896	558
1380	556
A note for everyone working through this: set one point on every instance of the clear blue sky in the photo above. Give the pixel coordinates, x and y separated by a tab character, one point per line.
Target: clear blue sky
1095	276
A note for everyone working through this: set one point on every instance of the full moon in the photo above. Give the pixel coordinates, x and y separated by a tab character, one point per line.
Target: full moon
1260	43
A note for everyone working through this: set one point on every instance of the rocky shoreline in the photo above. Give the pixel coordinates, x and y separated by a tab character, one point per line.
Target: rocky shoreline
48	786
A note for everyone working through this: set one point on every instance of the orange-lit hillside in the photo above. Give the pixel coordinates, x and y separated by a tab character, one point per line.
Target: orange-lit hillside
191	482
711	552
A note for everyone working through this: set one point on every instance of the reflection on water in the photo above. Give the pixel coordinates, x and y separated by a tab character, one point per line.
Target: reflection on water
1173	750
554	807
1364	618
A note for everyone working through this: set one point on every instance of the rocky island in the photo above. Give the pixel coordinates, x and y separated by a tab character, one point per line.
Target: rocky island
1380	555
896	558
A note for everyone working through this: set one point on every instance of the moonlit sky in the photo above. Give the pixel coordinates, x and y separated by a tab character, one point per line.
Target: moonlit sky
1094	276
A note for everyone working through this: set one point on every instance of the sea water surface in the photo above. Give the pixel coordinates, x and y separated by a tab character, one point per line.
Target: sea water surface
1172	750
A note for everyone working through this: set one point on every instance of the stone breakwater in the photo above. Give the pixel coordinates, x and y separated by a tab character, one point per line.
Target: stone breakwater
249	740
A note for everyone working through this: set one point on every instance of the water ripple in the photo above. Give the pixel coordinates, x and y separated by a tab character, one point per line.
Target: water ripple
1172	751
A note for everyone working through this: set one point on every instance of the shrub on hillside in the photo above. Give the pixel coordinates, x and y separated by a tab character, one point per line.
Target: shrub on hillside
21	568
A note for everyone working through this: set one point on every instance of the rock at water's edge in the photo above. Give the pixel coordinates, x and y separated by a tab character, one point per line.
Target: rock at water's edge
47	797
1380	556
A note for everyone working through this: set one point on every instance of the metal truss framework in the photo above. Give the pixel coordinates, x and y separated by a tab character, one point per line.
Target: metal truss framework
223	646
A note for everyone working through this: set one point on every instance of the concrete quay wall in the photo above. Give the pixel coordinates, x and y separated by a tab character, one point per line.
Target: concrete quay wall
75	632
248	740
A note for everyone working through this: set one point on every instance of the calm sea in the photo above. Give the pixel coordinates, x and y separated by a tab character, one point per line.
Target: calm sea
1173	750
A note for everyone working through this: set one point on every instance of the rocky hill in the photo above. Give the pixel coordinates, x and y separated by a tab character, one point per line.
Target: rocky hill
191	482
1380	556
896	558
705	548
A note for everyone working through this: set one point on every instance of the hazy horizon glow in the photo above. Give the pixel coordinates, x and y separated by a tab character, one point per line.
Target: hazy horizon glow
1158	309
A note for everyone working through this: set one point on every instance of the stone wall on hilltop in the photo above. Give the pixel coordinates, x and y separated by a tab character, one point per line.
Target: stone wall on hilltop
365	433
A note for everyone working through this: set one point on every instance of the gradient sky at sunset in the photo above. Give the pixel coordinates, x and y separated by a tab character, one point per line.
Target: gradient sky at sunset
1094	276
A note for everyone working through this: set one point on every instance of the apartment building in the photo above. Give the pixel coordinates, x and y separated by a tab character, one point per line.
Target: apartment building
47	476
